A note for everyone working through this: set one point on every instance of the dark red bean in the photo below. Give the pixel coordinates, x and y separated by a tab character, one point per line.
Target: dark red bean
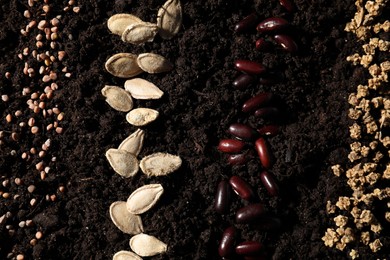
263	45
269	183
231	146
223	197
250	67
268	130
241	187
257	101
250	213
272	24
243	81
267	112
242	131
249	248
238	159
264	152
287	43
246	24
226	246
288	5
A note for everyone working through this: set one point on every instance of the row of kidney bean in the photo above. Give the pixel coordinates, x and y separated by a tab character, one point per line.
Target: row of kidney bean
245	137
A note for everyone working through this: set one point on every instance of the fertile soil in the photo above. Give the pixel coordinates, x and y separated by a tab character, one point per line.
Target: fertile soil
198	106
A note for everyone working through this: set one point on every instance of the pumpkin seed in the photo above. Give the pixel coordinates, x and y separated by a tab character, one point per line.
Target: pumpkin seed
125	255
144	198
169	18
118	98
146	245
143	89
159	164
123	162
138	33
141	116
118	22
153	63
133	143
128	223
123	65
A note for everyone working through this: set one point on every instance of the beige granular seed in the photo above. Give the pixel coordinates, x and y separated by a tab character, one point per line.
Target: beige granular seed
61	189
8	118
33	202
18	181
33	241
43	175
20	257
34	130
5	98
38	235
31	188
59	130
6	195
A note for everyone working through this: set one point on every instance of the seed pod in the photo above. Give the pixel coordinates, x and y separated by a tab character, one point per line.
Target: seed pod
133	144
141	116
231	146
226	246
268	130
242	131
263	45
288	5
250	67
153	63
246	24
144	198
142	89
145	245
123	162
118	98
249	248
123	65
250	213
223	197
243	81
169	18
260	100
287	43
125	255
267	113
128	223
238	159
269	183
272	24
241	188
160	164
138	33
119	22
263	152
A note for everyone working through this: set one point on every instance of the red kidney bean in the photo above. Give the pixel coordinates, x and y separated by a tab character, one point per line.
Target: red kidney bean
272	24
238	159
269	183
223	197
263	152
241	187
242	131
257	101
249	22
267	112
288	5
263	45
231	146
249	248
268	130
287	43
250	67
243	81
226	246
250	213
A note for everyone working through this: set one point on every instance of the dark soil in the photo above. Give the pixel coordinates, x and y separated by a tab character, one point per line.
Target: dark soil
198	106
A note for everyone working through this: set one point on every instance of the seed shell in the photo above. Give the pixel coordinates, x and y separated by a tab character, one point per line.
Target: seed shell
144	198
169	18
126	255
119	22
118	98
153	63
128	223
141	116
123	65
123	162
146	245
133	144
138	33
143	89
159	164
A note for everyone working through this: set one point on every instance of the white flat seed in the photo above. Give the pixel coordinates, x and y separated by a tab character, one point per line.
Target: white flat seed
153	63
169	18
118	98
159	164
141	116
118	22
133	144
138	33
123	65
146	245
123	162
143	89
128	223
125	255
144	198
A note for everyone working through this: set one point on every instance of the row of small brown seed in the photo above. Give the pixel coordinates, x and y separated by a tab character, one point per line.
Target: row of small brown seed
245	136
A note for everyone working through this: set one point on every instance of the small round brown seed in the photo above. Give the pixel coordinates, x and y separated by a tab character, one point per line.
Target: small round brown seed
223	197
287	43
34	130
269	183
263	151
241	187
257	101
226	246
250	213
243	81
246	24
242	131
231	146
272	24
250	67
